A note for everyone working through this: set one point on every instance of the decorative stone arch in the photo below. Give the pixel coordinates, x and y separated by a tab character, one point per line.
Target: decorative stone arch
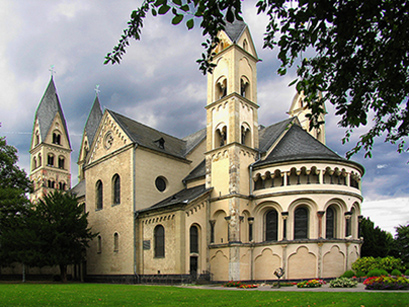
268	222
245	45
219	266
37	138
220	135
311	218
333	262
265	263
116	242
50	159
302	263
62	185
339	208
355	213
220	87
246	134
220	227
61	162
116	189
40	160
34	165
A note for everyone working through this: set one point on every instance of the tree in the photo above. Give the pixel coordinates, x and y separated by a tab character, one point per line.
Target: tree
62	229
14	205
361	54
377	242
402	242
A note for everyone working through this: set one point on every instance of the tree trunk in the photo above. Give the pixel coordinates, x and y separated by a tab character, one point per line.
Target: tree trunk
63	272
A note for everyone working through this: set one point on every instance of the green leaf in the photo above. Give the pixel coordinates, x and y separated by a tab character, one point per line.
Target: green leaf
154	13
190	24
177	2
164	9
177	19
159	3
185	8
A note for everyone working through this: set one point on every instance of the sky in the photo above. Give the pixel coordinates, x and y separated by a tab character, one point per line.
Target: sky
158	83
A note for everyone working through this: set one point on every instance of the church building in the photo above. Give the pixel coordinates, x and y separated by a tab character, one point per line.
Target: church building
233	201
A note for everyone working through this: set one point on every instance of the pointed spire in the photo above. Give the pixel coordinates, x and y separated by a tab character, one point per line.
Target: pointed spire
93	120
48	108
235	29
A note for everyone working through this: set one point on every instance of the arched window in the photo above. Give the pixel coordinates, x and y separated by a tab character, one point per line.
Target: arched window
56	138
244	87
99	195
61	162
116	242
159	238
194	239
116	193
39	160
221	88
245	135
301	223
37	138
34	163
245	45
221	136
330	222
99	245
51	184
61	186
272	225
50	160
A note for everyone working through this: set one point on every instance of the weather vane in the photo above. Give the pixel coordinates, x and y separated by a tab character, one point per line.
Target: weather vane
97	90
52	70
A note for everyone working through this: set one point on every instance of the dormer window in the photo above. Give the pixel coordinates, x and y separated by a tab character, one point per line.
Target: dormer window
160	143
56	138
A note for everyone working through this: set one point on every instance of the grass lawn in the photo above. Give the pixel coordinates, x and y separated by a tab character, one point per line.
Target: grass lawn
135	295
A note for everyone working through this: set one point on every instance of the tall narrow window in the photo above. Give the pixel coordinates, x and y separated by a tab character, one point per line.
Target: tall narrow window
99	245
159	237
271	225
244	88
330	223
37	139
34	163
301	223
61	162
116	181
50	160
116	242
99	195
39	160
56	138
194	239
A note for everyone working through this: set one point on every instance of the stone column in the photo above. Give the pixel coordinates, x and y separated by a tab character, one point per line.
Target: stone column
320	215
284	216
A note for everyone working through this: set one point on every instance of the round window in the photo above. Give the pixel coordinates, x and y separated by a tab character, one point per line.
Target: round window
160	184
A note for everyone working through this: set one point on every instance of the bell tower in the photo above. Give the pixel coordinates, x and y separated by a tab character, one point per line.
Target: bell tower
50	150
232	130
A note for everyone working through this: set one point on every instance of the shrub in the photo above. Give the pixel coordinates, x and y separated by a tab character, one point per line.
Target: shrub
389	263
386	283
407	272
233	284
360	274
396	272
312	283
348	274
365	264
343	282
376	272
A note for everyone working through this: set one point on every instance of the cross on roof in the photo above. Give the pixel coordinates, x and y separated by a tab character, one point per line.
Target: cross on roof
52	70
97	90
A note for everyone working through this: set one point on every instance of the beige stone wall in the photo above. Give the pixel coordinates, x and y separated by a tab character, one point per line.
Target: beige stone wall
111	218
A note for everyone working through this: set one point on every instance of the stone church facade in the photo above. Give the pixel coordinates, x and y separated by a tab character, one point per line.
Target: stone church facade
233	201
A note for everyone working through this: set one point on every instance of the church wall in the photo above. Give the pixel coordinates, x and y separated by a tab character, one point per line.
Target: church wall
148	167
197	155
197	215
111	218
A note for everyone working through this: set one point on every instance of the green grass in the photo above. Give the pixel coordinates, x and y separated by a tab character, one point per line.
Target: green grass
133	295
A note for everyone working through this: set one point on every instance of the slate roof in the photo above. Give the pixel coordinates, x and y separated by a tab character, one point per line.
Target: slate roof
47	110
199	171
298	144
79	189
235	29
93	120
183	197
150	138
269	135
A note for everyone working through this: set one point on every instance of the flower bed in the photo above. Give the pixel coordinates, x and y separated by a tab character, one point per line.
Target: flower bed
343	282
312	283
386	283
239	284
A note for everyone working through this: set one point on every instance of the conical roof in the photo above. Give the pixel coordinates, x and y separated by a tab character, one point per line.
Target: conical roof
48	108
93	120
